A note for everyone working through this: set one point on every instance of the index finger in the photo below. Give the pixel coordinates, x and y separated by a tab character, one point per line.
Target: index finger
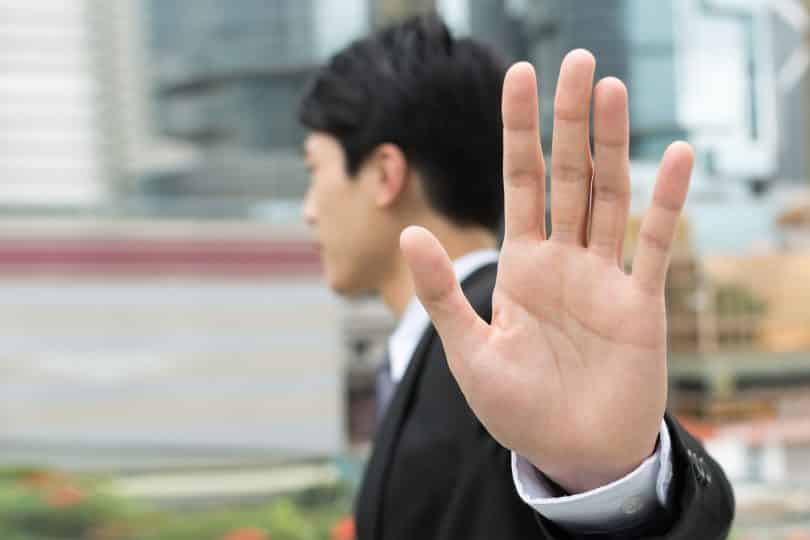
524	170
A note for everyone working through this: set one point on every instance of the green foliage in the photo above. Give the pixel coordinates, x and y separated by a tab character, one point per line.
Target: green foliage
36	505
733	299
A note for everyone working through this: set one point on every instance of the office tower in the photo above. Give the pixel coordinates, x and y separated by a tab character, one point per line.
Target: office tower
52	141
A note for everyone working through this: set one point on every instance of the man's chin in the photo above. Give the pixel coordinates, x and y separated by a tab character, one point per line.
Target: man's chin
346	288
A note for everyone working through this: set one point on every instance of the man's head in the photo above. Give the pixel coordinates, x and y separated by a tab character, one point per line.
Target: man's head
404	128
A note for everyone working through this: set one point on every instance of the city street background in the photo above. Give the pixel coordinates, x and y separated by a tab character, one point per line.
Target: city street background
163	321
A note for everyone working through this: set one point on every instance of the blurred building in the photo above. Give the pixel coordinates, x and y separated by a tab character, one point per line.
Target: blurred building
75	106
228	81
53	149
385	11
710	71
180	107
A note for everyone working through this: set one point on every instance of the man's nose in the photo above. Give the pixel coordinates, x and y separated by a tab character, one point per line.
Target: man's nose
309	210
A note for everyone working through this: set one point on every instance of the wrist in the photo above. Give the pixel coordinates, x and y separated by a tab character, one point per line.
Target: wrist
581	478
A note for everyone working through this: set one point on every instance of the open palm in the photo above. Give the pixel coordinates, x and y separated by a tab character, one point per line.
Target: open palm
571	372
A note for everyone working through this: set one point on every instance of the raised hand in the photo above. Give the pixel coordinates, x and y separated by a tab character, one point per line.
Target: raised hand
571	372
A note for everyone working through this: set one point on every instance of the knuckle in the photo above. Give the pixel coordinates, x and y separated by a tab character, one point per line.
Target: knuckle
655	242
570	173
667	205
609	193
522	177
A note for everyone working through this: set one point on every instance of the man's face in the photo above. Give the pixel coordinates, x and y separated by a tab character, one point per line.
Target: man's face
354	238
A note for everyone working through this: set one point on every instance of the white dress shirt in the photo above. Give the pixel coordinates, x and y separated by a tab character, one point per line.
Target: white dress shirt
623	504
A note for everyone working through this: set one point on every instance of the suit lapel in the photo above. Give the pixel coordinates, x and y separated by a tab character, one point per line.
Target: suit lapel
370	497
369	501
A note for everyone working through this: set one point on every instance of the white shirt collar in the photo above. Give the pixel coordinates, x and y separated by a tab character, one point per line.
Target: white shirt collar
415	320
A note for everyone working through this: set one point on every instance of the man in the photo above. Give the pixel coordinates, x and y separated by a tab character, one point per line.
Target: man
552	423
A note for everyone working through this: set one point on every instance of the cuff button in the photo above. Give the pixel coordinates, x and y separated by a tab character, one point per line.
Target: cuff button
632	505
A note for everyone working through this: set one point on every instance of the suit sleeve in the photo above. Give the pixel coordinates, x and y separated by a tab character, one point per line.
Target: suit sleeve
701	502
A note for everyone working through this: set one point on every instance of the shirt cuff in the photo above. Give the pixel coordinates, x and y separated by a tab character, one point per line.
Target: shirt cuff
624	504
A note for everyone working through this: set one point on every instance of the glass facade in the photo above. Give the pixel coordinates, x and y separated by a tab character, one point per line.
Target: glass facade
632	40
228	80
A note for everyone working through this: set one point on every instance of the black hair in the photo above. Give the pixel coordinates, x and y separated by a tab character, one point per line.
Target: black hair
435	96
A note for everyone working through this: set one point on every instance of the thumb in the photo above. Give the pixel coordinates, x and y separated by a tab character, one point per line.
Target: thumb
461	329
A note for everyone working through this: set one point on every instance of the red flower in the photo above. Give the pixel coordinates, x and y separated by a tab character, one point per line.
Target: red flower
43	479
344	529
247	533
65	496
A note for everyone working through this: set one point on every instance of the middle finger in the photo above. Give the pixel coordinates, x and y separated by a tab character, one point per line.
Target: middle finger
571	165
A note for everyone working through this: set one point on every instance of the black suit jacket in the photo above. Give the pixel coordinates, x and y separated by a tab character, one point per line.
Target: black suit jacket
435	472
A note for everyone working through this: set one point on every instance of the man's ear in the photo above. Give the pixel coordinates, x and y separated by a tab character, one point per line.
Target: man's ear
393	174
